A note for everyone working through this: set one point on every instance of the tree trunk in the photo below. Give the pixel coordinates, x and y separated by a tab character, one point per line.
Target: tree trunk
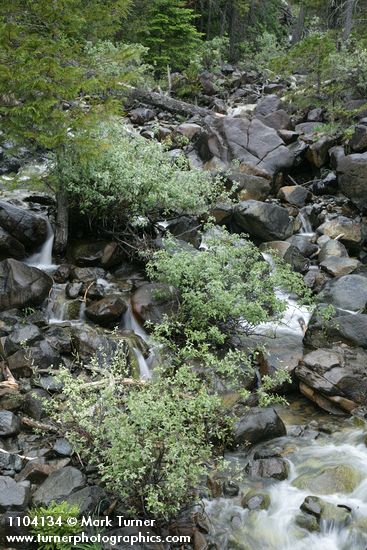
232	32
299	26
62	223
348	19
169	104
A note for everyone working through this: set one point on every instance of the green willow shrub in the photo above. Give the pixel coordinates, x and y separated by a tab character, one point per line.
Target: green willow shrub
118	174
151	442
225	289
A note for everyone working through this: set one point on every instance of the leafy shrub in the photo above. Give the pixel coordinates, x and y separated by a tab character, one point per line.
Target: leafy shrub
151	442
52	521
116	174
226	288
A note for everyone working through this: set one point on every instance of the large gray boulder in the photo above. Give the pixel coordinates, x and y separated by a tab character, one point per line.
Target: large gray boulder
22	285
258	424
25	226
58	486
13	495
348	292
352	172
264	221
258	147
339	374
10	247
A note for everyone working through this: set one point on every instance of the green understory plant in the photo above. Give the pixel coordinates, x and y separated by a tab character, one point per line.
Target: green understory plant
53	521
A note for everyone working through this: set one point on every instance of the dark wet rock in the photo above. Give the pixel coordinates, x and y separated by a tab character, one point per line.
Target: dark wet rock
89	342
112	255
341	327
263	221
87	274
10	247
352	172
274	467
358	142
337	267
9	424
62	274
304	245
21	335
34	403
154	300
269	104
141	115
185	228
327	512
279	120
255	500
350	232
250	186
316	115
87	253
318	152
334	479
294	194
62	447
25	226
339	374
9	526
73	290
230	489
13	496
258	424
106	312
296	259
10	463
332	249
348	292
88	499
222	213
21	285
59	338
59	486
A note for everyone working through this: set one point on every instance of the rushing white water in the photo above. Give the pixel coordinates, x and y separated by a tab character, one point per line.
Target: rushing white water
294	320
130	323
145	373
43	258
56	304
275	529
306	227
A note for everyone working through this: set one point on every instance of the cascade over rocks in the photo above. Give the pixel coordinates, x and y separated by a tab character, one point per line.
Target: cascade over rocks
22	285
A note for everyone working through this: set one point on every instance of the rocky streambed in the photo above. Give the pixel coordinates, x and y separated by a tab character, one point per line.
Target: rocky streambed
302	480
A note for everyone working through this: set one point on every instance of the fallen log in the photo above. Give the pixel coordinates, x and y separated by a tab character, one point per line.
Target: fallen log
169	104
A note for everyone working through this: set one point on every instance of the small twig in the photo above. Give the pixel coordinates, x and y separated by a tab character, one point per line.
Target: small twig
38	425
86	292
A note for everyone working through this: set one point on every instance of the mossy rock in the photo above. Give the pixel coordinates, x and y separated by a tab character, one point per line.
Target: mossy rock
254	500
336	479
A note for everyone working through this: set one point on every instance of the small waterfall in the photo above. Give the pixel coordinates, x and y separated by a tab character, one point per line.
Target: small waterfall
145	373
294	320
43	258
306	227
56	305
130	323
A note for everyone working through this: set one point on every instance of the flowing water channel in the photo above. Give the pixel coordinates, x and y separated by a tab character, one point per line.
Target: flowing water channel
232	526
236	528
